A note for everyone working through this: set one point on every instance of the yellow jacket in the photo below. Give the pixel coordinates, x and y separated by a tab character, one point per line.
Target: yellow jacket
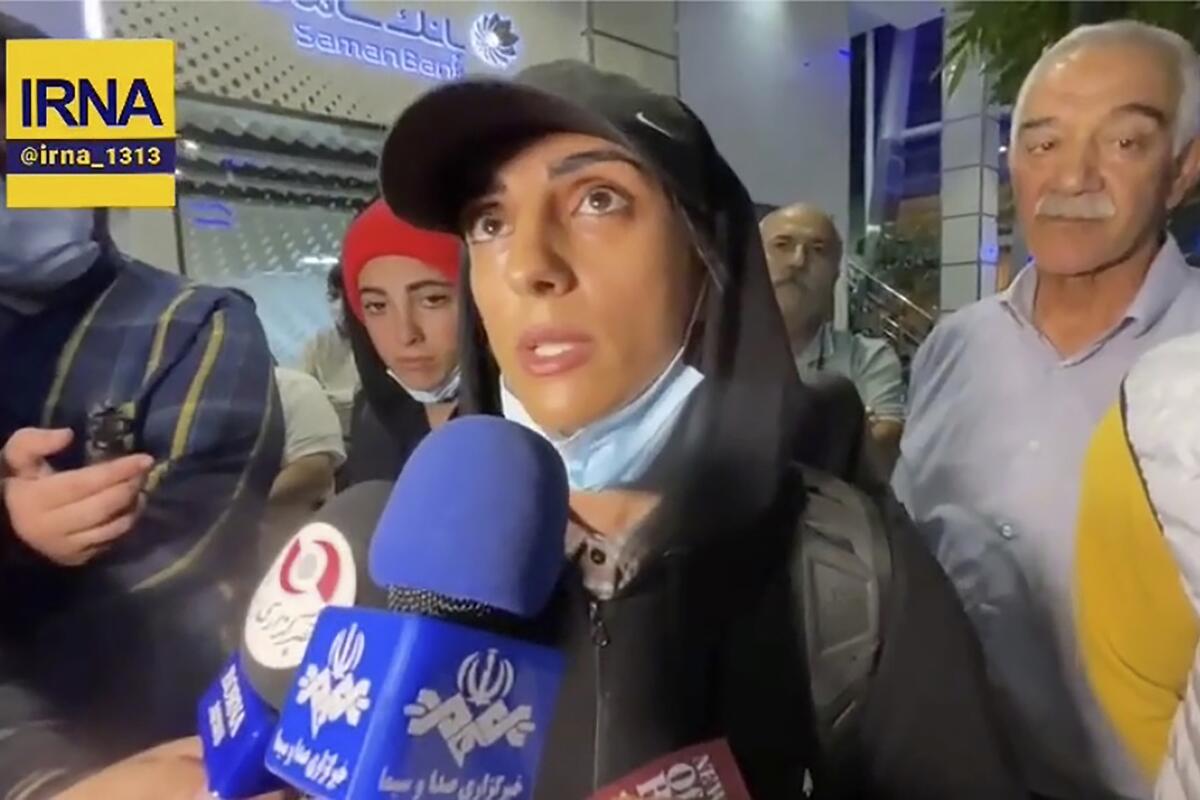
1138	631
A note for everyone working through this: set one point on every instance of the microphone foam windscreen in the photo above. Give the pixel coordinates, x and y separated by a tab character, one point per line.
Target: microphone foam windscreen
478	515
470	613
322	564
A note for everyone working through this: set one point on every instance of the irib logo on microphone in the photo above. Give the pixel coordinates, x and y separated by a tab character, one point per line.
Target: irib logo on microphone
332	692
409	706
485	677
484	681
314	570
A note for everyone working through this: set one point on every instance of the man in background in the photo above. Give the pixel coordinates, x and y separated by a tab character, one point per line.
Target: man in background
139	435
1006	393
327	356
804	256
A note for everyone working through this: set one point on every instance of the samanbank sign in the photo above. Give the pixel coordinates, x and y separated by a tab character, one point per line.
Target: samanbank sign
410	40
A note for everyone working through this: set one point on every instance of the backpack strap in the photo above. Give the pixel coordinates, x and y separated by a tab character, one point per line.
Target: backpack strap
841	572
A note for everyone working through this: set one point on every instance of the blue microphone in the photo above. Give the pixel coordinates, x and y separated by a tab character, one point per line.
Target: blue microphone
235	726
322	564
440	698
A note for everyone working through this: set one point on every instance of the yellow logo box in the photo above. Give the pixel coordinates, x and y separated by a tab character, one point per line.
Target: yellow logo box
90	123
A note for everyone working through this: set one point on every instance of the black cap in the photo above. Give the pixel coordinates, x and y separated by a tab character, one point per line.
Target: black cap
426	160
13	28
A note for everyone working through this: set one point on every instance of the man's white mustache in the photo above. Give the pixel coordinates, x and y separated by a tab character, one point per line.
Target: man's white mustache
1077	206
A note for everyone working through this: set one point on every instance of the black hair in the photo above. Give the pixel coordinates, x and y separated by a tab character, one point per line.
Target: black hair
333	283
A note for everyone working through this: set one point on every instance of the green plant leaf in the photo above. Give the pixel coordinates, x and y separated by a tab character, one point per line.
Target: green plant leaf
1007	38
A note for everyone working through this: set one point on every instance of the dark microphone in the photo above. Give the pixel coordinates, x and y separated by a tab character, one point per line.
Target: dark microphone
705	771
322	564
444	697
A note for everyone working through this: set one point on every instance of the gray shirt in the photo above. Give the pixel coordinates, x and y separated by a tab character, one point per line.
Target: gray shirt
990	469
871	364
329	359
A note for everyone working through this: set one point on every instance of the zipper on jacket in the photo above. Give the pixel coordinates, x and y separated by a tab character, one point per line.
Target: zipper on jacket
600	639
599	629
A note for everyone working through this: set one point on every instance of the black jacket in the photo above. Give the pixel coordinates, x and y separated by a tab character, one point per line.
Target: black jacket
720	640
377	451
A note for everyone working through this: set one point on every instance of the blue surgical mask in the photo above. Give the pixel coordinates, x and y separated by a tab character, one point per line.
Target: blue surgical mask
447	391
43	249
618	449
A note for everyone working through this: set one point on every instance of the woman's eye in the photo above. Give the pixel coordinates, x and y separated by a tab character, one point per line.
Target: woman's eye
435	300
485	227
600	201
374	308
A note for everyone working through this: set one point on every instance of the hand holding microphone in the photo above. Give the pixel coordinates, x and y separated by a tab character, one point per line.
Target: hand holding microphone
444	697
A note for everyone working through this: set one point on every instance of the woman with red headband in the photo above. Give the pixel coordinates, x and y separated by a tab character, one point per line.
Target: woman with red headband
402	294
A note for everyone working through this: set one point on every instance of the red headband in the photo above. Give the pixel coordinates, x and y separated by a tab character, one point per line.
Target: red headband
378	232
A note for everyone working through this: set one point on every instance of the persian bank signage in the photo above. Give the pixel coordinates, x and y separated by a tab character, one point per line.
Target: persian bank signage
410	40
90	123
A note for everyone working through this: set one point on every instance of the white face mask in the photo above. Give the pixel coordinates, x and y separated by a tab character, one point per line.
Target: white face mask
444	393
618	449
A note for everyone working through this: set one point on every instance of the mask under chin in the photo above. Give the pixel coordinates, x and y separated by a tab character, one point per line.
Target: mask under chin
618	449
446	391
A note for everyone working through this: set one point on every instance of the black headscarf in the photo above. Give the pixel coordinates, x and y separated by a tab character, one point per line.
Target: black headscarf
386	423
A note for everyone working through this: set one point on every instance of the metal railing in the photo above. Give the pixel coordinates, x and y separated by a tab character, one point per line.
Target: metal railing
860	272
882	310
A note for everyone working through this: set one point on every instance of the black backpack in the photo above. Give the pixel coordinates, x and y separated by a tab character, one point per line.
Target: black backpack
845	564
844	561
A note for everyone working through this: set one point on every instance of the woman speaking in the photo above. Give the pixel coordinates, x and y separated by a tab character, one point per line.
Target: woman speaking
619	304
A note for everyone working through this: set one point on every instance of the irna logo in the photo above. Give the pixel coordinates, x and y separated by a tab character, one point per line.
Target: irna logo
80	103
90	89
90	122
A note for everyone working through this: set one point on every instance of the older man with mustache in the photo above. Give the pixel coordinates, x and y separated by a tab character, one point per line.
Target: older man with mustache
1006	393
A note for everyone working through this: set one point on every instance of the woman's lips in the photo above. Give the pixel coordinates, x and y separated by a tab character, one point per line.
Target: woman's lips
414	364
546	352
414	368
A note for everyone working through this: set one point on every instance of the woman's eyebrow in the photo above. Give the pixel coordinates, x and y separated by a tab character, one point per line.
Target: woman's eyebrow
417	286
577	161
